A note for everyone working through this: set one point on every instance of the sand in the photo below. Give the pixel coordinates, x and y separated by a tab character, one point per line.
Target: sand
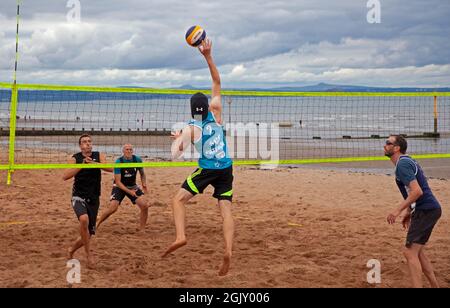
294	228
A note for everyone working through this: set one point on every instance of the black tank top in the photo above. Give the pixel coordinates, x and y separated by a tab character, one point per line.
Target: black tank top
87	182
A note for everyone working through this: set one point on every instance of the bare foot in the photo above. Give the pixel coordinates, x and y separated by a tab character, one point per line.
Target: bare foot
225	265
90	262
70	253
174	247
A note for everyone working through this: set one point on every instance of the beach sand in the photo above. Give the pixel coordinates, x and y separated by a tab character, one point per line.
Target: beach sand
302	227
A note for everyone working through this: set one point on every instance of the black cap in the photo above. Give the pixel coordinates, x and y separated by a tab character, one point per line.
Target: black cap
199	105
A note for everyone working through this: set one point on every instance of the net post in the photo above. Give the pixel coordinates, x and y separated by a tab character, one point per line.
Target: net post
8	182
12	130
14	100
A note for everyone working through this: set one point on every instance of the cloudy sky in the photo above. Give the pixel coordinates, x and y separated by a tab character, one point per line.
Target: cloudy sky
256	43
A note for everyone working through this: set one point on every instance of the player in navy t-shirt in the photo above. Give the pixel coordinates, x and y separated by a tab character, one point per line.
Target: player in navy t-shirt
422	209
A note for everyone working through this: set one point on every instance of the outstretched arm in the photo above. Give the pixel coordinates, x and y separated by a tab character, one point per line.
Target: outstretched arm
216	100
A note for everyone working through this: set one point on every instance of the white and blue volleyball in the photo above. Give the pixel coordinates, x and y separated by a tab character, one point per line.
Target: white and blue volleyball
195	35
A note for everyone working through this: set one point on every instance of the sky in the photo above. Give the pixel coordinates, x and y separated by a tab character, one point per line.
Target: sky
256	43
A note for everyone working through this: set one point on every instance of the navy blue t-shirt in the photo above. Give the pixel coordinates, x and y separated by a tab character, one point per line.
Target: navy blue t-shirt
408	170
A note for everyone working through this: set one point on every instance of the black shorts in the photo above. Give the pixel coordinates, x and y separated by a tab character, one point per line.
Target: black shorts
422	224
118	194
221	180
87	206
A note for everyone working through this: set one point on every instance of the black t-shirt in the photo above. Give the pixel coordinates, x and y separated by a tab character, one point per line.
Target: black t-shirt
87	182
128	175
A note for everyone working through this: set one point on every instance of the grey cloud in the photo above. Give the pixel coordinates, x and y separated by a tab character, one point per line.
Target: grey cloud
267	38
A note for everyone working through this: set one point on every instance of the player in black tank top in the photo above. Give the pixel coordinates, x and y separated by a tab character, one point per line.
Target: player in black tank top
85	194
87	181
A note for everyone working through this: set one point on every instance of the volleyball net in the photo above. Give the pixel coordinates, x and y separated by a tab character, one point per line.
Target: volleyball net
40	125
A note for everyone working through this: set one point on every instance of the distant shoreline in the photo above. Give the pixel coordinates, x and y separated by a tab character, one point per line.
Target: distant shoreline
26	132
166	132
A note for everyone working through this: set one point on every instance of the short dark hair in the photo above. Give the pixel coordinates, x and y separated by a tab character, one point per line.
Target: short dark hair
400	140
83	136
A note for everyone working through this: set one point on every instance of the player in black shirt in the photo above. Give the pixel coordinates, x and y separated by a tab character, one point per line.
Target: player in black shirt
85	194
125	186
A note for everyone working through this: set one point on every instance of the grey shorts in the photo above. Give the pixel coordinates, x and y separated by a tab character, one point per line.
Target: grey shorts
87	206
422	225
118	194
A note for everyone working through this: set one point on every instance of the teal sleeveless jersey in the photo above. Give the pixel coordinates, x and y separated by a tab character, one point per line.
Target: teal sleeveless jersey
212	146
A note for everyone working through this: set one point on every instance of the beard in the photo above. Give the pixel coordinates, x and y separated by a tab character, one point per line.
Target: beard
388	154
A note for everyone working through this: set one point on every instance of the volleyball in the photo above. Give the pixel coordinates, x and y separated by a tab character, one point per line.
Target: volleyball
195	35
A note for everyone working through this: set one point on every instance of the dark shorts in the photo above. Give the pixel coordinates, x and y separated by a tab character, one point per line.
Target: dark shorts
221	180
422	224
118	194
85	206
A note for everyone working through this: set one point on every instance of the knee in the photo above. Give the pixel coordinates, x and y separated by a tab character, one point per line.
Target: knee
113	208
144	205
225	209
227	216
410	254
179	199
84	220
